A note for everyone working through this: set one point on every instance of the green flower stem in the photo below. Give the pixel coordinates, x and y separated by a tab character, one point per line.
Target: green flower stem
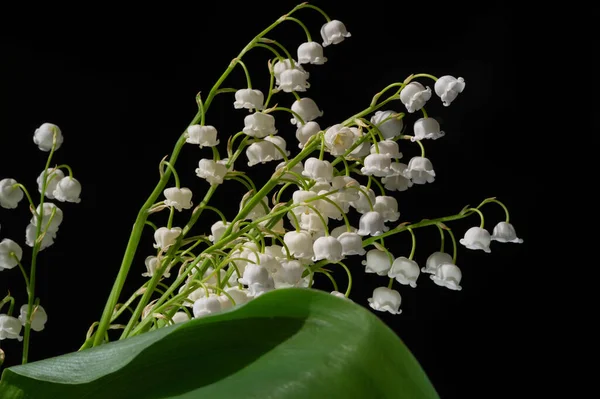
346	167
246	72
306	31
67	167
480	216
226	90
22	187
301	179
36	249
322	151
365	193
502	205
454	249
128	303
424	113
306	5
215	210
271	49
296	221
281	151
282	189
242	180
352	148
442	237
422	75
390	283
271	83
378	184
414	243
201	111
333	282
408	137
315	210
282	47
382	92
149	223
198	210
347	294
376	128
231	142
171	214
298	117
346	221
14	256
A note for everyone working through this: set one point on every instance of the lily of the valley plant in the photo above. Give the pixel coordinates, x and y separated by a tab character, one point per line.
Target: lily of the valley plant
289	229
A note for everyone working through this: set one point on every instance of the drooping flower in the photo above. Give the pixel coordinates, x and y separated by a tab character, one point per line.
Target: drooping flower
206	305
39	319
53	176
213	172
10	254
311	52
30	237
259	125
419	170
180	317
396	180
306	131
371	223
217	230
285	65
44	136
329	248
339	138
280	147
293	80
257	279
165	237
351	243
261	152
414	96
378	262
405	271
152	263
448	88
392	126
363	203
179	198
249	99
387	147
334	32
377	165
240	296
317	169
435	260
307	109
204	136
505	232
477	238
68	189
386	300
10	328
289	275
47	213
427	128
10	196
448	275
299	243
388	207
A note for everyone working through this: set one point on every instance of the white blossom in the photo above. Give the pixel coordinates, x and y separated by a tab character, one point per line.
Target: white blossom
259	125
405	271
364	203
339	138
387	147
152	263
448	275
217	230
68	189
239	296
386	300
48	210
448	88
419	170
213	172
351	243
388	207
477	238
261	152
165	237
414	96
44	135
299	243
378	262
371	223
10	328
53	176
30	236
377	165
289	275
306	131
10	196
307	109
329	248
10	254
280	147
293	80
392	126
249	99
206	306
180	317
317	169
505	232
179	198
435	260
396	180
311	52
334	32
427	128
204	136
39	319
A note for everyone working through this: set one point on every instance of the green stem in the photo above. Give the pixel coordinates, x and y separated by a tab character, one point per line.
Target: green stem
67	167
306	5
503	207
333	282
423	75
277	54
347	294
424	112
298	117
308	38
480	216
12	254
374	180
390	283
442	236
241	63
22	187
414	244
454	249
282	47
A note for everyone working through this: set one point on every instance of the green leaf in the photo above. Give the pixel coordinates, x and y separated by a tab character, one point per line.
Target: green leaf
288	343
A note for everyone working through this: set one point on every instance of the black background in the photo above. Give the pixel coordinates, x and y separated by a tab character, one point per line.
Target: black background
121	86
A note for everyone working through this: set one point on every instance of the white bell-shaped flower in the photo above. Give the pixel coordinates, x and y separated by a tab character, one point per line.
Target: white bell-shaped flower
280	147
293	80
329	248
320	185
340	295
261	152
276	251
334	32
311	52
312	223
377	165
206	305
44	136
10	196
347	186
289	275
39	319
299	243
387	147
179	198
351	244
388	125
427	128
259	210
307	109
448	88
338	231
204	136
338	139
267	261
505	232
180	317
448	275
68	189
165	237
211	171
435	260
152	263
414	96
10	328
259	125
385	299
257	279
30	237
306	131
297	169
405	271
249	99
477	238
388	207
279	67
363	204
10	254
299	197
317	169
419	170
239	296
48	209
378	262
371	223
327	208
53	176
217	230
396	180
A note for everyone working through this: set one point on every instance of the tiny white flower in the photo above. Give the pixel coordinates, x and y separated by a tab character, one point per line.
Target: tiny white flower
327	208
306	131
334	32
239	296
313	223
329	248
419	170
261	152
299	243
435	260
279	67
386	300
8	251
257	279
249	99
339	138
204	136
10	328
259	125
396	180
338	231
289	275
68	189
371	223
30	237
351	243
405	271
377	165
448	275
363	204
427	128
48	209
477	238
280	147
179	198
53	176
505	232
165	237
39	319
44	135
217	230
392	126
180	317
414	96
297	169
378	262
347	187
299	197
387	147
10	196
311	52
388	207
152	264
448	88
307	109
317	169
293	80
206	305
213	172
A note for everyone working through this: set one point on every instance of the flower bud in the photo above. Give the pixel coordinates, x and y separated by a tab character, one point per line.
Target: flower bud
44	137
